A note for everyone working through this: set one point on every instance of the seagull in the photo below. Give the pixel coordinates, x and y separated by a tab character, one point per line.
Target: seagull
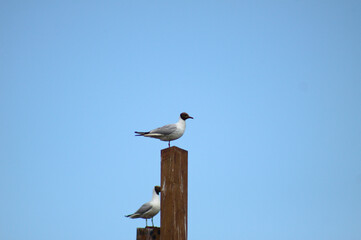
168	132
149	209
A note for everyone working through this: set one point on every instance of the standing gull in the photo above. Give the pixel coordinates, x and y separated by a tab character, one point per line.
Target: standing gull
149	209
168	132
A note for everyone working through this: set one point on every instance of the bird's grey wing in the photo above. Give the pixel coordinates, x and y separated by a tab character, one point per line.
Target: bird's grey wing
144	208
165	130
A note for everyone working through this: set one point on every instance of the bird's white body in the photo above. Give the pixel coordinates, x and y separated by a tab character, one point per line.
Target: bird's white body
149	209
155	203
168	132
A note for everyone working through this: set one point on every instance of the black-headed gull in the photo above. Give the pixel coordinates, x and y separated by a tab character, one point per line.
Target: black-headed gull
149	209
168	132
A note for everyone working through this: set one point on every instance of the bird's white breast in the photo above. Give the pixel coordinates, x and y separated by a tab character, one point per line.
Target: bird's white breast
181	127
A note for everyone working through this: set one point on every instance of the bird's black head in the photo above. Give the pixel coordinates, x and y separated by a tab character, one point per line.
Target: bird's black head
157	189
185	116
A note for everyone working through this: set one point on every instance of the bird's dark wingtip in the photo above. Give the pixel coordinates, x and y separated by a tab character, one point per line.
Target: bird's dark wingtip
140	133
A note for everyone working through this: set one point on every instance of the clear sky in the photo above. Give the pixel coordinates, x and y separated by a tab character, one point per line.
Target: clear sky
274	88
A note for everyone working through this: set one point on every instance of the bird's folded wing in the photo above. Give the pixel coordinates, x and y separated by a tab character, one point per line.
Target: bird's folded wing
165	130
143	209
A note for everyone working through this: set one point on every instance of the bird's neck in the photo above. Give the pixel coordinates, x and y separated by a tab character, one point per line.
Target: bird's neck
181	123
155	196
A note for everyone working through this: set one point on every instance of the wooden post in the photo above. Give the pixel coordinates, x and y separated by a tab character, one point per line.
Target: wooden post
174	195
149	233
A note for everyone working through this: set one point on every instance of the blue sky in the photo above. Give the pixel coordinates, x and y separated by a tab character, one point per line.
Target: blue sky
274	88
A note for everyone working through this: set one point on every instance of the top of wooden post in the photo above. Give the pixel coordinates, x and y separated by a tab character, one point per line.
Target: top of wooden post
148	233
173	148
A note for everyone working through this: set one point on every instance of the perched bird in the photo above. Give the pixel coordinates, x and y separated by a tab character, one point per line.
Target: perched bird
168	132
149	209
